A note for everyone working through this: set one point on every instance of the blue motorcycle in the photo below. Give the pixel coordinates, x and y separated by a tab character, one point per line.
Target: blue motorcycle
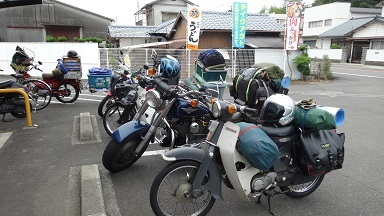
181	118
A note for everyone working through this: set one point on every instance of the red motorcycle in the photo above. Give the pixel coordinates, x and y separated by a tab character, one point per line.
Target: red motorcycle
64	81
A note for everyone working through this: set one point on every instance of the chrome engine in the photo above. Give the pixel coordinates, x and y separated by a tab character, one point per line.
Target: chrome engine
265	181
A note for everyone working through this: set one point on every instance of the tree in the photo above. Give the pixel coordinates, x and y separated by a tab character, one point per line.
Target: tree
354	3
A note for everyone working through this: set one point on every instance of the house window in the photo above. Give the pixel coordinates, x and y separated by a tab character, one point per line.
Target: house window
340	42
310	43
168	16
328	22
377	44
315	24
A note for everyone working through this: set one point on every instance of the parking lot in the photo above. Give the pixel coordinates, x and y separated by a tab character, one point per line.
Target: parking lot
38	166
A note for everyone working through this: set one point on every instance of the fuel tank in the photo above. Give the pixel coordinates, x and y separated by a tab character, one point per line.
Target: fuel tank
182	108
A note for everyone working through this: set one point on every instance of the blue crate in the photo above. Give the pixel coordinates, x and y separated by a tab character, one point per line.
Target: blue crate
99	81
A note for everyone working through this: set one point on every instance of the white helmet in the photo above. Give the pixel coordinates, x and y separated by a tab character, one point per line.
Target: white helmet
278	109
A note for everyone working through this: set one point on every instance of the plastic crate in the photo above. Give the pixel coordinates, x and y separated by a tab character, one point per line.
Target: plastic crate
220	86
99	81
212	73
72	64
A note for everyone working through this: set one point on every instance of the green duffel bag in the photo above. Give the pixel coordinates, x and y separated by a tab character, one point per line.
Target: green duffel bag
313	118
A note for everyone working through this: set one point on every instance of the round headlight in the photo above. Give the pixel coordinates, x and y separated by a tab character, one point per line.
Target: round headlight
153	98
216	109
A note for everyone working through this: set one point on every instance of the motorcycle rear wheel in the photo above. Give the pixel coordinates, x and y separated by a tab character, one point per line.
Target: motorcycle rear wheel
21	114
68	93
39	92
303	190
171	187
114	117
119	156
104	104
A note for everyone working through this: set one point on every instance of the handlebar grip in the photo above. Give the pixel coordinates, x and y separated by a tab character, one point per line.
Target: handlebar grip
250	110
164	88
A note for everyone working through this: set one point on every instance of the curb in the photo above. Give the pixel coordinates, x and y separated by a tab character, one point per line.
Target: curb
92	201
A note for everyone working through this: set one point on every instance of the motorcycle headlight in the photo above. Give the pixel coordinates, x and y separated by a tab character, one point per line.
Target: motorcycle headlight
153	98
216	109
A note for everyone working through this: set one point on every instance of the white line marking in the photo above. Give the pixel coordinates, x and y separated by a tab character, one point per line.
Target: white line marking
4	137
359	75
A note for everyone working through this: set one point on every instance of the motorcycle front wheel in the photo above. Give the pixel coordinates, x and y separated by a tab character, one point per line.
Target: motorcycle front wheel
104	104
119	156
39	92
303	190
21	113
115	116
67	93
171	188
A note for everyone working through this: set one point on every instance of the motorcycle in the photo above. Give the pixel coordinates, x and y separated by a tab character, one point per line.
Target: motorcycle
38	91
119	78
184	121
129	98
12	103
190	184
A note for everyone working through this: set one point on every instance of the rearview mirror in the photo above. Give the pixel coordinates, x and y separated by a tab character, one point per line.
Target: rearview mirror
146	67
39	62
121	52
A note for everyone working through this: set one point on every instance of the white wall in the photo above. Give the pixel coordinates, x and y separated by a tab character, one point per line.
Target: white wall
48	53
373	30
332	53
339	12
167	6
131	41
276	56
375	55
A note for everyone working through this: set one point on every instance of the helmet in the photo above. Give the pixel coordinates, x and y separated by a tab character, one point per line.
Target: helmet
72	54
278	109
169	67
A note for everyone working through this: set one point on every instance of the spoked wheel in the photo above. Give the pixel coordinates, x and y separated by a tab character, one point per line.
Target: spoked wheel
39	92
117	115
67	93
170	191
303	190
119	156
105	103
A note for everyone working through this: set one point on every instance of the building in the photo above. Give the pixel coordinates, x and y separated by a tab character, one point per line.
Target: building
319	19
160	11
34	22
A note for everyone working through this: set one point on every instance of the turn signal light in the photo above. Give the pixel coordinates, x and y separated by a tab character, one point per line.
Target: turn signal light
194	103
151	72
213	100
232	109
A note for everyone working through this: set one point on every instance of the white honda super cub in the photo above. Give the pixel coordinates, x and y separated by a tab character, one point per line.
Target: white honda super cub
243	156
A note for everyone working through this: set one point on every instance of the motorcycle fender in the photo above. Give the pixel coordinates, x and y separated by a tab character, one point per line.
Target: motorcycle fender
240	179
129	129
189	153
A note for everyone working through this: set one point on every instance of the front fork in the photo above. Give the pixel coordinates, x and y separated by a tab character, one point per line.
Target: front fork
156	120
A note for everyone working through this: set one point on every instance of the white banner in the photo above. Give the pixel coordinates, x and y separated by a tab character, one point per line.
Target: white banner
193	28
292	28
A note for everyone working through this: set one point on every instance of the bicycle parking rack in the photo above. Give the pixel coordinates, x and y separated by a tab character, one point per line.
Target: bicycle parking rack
26	101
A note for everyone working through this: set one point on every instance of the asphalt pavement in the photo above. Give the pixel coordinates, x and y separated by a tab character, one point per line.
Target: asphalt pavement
49	170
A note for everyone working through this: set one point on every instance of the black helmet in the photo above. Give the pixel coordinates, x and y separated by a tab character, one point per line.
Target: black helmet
72	54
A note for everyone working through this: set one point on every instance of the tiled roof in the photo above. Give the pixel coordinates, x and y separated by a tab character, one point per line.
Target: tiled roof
165	27
209	21
348	27
130	31
214	20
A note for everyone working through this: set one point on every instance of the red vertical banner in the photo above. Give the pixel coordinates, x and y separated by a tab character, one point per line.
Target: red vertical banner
292	26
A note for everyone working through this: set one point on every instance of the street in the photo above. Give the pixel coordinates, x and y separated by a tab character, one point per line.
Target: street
36	164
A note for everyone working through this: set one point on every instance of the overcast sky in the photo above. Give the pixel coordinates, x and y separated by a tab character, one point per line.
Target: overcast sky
122	11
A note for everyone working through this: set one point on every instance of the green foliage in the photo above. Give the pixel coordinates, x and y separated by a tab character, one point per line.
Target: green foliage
93	39
302	63
335	46
326	72
76	39
61	38
274	9
50	38
360	4
80	40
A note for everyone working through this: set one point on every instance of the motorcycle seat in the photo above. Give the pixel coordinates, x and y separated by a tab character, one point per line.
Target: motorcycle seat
6	84
285	131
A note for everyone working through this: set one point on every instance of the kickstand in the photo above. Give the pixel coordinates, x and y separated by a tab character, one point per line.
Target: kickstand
269	204
4	118
258	200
